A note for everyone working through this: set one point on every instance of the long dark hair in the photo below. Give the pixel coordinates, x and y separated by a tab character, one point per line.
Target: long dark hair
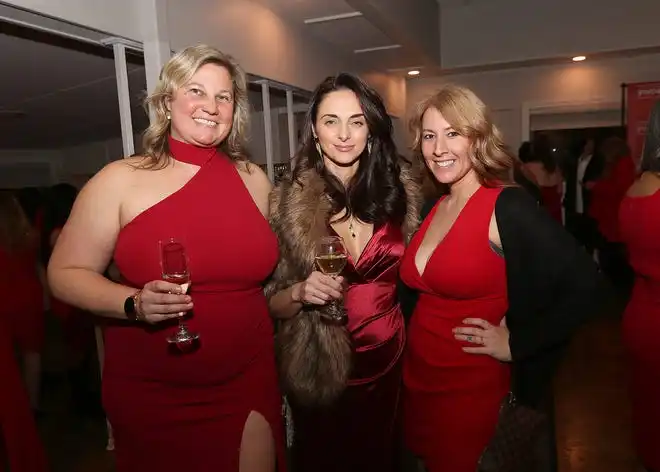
651	153
375	194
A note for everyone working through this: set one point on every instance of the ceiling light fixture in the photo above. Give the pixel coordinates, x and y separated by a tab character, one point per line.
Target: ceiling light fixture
413	72
579	58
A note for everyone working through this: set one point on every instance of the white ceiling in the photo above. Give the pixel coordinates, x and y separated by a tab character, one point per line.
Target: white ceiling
56	92
347	34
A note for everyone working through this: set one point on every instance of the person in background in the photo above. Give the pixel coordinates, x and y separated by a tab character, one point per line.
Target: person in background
344	381
502	288
520	174
639	228
607	192
77	326
211	405
542	169
24	309
586	166
21	323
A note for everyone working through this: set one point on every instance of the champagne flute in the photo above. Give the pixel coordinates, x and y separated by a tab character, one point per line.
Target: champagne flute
174	265
331	259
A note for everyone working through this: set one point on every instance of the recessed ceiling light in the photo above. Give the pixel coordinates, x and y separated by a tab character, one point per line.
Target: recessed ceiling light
413	72
579	58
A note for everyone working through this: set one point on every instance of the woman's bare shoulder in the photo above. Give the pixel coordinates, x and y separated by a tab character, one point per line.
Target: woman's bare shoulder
647	184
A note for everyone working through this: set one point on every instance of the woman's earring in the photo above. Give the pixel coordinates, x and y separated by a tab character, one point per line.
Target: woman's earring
369	143
318	149
168	116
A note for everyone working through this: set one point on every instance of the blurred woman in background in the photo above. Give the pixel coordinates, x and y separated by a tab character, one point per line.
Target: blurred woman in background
21	324
542	169
20	276
639	228
606	196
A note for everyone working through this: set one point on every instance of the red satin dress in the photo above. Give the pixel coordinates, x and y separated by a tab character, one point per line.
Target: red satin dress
640	231
452	398
24	309
359	432
186	412
20	446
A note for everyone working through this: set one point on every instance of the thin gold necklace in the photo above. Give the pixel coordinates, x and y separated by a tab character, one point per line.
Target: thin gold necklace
350	227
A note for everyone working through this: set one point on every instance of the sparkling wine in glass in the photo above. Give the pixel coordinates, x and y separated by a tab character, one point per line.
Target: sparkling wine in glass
174	265
331	259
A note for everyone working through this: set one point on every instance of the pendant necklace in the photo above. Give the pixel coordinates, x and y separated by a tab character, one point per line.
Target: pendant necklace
350	228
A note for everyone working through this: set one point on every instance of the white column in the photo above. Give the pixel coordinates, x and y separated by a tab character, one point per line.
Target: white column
291	123
124	99
155	37
268	129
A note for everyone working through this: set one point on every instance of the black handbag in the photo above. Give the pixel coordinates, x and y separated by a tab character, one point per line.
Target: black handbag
513	447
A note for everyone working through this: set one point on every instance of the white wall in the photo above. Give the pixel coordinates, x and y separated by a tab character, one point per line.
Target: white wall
491	32
506	91
392	90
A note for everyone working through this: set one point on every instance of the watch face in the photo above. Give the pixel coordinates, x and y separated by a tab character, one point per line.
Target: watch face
129	308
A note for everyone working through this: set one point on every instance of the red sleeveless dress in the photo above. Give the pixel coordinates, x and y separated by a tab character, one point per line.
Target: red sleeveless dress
360	431
186	412
639	219
452	398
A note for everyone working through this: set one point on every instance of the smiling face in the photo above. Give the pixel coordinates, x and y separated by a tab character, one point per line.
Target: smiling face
202	109
446	153
341	128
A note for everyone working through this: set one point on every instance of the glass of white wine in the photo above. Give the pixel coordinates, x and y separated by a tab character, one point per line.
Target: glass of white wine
174	265
331	259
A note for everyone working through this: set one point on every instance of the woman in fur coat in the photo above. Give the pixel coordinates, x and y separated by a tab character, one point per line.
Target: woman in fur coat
343	379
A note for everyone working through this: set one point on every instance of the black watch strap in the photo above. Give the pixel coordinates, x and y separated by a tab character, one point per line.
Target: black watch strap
130	307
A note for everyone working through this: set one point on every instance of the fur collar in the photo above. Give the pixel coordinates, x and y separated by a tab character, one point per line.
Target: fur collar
315	356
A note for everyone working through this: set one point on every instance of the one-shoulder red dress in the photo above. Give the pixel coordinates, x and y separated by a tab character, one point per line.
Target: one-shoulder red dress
187	412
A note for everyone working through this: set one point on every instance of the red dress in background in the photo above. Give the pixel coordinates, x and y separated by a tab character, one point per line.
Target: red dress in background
640	232
20	446
186	412
359	432
24	308
551	199
606	197
452	398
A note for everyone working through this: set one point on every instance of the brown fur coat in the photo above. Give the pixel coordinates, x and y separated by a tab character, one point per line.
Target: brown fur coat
315	356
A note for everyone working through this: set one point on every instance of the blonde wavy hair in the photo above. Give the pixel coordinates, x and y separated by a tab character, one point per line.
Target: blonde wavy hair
491	158
177	72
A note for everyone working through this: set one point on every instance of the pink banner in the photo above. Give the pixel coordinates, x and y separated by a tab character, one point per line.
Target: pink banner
639	100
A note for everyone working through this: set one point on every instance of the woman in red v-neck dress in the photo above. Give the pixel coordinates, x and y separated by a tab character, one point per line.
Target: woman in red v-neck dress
464	277
215	407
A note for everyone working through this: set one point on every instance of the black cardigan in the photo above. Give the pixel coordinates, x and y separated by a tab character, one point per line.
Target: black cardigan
552	284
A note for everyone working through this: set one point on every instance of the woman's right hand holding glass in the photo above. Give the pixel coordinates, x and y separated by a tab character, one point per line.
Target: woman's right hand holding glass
159	301
318	289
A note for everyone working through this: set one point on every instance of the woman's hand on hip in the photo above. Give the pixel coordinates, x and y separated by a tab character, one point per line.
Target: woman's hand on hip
318	289
159	301
487	338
